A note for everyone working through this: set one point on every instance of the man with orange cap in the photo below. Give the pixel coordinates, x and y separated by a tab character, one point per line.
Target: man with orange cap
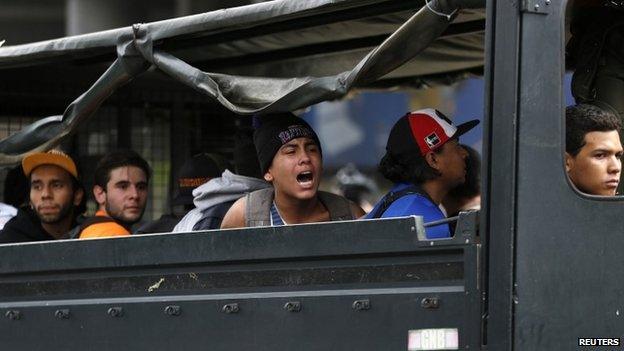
56	199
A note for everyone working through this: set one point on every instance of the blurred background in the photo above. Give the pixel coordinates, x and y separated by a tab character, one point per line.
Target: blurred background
352	131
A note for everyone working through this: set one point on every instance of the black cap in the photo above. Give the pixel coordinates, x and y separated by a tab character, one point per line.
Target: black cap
195	172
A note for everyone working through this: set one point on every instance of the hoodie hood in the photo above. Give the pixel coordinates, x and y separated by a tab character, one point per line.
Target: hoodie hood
226	188
229	187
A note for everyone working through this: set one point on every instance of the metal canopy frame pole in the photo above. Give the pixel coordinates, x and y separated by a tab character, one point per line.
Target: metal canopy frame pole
500	149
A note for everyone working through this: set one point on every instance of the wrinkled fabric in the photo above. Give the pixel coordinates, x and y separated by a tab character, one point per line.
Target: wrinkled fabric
24	227
226	188
418	204
6	213
136	53
164	224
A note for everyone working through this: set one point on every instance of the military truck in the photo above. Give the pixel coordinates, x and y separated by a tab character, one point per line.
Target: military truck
537	268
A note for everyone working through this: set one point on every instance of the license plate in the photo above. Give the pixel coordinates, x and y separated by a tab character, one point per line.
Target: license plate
433	339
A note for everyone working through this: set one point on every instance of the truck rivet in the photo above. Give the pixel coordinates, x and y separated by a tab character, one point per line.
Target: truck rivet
536	7
292	306
173	311
361	305
13	315
430	303
62	314
230	308
547	2
115	312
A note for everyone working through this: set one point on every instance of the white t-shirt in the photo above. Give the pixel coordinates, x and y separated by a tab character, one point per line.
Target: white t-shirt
6	212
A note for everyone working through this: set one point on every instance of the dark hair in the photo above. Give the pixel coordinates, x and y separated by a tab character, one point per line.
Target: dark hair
472	186
584	118
81	208
411	169
116	159
16	187
77	185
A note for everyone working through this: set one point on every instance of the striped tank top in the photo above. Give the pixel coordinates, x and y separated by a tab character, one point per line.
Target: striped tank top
276	218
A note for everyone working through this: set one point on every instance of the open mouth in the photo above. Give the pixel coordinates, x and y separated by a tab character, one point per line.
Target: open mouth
305	178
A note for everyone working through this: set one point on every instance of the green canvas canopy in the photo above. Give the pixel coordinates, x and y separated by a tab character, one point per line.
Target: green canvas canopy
268	57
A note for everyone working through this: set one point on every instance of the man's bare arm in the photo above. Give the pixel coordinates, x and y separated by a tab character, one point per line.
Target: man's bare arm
235	216
357	211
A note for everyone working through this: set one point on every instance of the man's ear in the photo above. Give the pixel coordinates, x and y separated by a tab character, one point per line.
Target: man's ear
100	194
569	162
78	195
432	160
268	176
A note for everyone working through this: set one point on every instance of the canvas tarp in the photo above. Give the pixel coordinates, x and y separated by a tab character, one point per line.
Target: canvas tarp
148	46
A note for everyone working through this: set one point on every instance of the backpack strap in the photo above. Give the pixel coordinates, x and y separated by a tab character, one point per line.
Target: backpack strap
339	208
74	233
258	208
392	197
212	217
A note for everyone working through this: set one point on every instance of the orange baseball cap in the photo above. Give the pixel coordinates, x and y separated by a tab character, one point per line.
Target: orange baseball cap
52	157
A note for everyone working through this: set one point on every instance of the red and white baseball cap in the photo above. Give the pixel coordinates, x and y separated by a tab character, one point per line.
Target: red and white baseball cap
424	131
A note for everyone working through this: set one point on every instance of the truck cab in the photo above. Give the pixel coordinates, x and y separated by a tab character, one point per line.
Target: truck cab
535	269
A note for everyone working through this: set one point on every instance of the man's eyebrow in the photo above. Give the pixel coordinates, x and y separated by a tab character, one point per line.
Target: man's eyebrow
53	180
285	146
122	182
604	150
291	142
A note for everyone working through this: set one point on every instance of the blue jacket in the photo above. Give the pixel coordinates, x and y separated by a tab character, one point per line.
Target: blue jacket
415	204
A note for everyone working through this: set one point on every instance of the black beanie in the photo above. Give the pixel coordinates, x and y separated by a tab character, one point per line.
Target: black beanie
276	130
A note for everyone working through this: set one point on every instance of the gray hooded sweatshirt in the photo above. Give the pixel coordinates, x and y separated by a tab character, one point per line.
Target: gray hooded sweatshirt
226	188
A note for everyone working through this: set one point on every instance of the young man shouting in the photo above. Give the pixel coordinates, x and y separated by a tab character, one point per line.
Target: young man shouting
290	157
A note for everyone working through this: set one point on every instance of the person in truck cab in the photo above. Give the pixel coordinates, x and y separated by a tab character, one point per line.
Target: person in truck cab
290	157
593	156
